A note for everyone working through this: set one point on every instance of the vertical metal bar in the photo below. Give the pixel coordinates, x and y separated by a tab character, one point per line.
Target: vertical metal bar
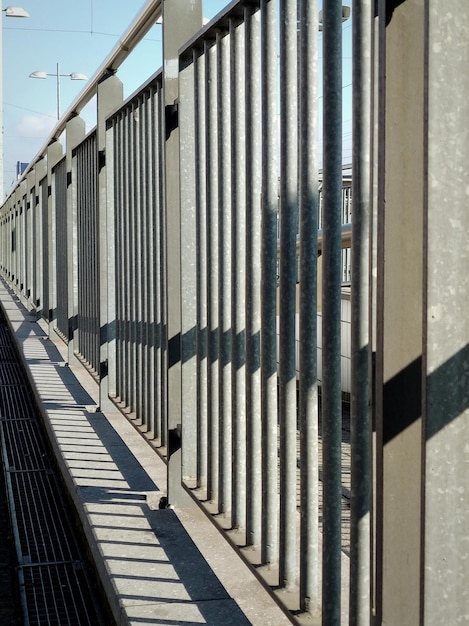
150	275
156	192
253	281
97	307
148	283
79	168
201	234
308	399
27	235
359	611
212	273
86	262
269	282
375	81
160	274
238	257
331	282
224	286
143	257
19	228
132	278
288	273
151	181
139	260
118	200
93	307
126	285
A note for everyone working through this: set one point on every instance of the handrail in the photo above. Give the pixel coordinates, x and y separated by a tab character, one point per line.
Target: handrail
137	30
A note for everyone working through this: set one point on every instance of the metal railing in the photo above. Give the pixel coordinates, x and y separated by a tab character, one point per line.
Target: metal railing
139	369
175	248
235	328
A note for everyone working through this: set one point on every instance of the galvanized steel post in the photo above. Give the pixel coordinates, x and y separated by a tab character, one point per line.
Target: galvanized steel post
308	370
445	568
212	273
287	289
75	132
54	154
331	307
422	348
224	251
41	172
180	20
238	314
360	540
201	271
28	238
253	282
399	314
189	262
270	204
109	95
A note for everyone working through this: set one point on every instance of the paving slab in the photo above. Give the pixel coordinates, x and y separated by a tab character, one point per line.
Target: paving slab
157	566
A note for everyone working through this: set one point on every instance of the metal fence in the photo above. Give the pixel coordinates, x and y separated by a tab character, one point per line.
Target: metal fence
249	412
176	249
139	368
88	330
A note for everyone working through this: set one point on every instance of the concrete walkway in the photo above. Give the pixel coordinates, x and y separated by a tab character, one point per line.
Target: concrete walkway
157	566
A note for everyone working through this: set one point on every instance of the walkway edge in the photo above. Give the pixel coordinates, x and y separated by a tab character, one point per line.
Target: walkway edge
156	566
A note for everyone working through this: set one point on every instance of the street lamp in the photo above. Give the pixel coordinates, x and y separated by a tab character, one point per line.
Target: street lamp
9	12
72	76
15	12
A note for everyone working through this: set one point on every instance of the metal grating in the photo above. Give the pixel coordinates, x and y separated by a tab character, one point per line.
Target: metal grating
44	534
16	402
24	445
5	336
10	373
54	584
57	594
7	353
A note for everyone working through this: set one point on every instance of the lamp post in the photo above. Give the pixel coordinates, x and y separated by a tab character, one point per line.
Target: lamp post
9	12
72	76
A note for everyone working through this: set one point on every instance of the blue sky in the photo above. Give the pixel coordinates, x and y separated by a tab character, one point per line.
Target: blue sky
78	36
